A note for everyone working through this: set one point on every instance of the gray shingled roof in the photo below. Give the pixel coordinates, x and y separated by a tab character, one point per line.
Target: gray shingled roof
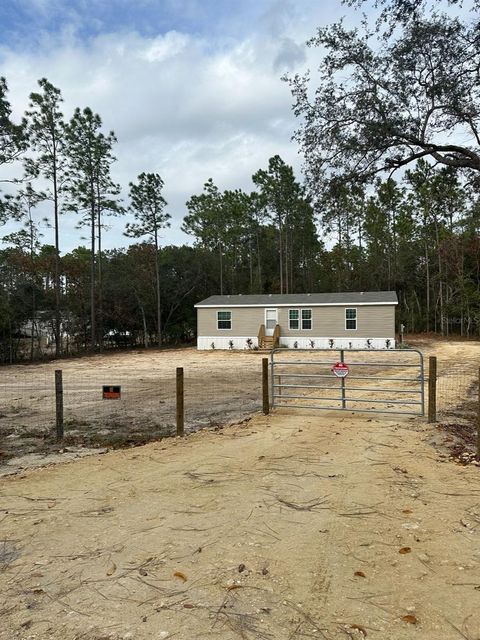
302	299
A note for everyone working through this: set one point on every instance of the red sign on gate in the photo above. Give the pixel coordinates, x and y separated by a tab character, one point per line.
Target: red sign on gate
340	369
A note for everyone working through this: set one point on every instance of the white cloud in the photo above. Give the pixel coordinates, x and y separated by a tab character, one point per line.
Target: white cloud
181	105
165	47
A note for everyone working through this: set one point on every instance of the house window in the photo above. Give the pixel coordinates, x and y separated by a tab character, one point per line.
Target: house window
306	318
293	319
350	319
224	319
299	319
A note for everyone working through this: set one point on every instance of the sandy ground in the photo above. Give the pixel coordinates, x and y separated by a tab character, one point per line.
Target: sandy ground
298	524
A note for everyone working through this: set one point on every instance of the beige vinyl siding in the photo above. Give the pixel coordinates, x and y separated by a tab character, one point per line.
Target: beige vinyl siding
245	321
372	321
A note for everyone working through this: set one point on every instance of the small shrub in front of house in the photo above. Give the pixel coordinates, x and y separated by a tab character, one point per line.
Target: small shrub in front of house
230	344
331	343
295	345
249	343
212	346
312	344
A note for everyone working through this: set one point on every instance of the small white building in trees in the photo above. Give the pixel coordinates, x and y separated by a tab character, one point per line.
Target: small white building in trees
353	320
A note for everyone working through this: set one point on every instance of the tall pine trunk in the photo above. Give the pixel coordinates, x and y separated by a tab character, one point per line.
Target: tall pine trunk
259	263
157	280
280	251
58	339
427	269
99	270
220	251
250	262
93	327
34	302
286	255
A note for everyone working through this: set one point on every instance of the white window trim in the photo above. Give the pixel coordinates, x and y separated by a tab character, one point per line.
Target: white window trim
231	319
356	318
301	319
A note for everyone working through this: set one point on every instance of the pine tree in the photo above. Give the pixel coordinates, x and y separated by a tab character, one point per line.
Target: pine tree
147	206
92	192
207	222
46	134
13	143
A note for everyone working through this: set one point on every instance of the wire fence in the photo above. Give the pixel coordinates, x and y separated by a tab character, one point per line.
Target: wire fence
26	403
144	411
458	403
456	385
218	389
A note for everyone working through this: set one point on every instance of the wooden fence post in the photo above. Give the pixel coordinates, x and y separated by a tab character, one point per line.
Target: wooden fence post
432	389
478	418
59	403
266	405
180	405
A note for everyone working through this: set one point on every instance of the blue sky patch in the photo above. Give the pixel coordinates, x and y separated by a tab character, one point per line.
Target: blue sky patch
25	23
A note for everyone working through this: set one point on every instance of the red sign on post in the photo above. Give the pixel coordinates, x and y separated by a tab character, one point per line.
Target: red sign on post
340	369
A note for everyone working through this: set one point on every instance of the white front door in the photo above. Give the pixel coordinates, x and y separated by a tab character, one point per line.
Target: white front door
271	319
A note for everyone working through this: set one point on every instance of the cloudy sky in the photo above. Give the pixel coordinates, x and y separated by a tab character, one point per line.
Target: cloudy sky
191	88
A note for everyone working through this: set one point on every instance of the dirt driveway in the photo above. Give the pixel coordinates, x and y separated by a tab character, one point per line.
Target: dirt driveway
293	525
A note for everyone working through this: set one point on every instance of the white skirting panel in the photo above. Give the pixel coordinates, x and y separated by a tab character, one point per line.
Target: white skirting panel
226	342
337	343
231	342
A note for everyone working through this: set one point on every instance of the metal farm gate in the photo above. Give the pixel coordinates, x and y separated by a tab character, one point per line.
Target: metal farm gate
380	381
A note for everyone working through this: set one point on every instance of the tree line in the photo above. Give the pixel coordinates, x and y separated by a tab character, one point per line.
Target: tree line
65	166
351	225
